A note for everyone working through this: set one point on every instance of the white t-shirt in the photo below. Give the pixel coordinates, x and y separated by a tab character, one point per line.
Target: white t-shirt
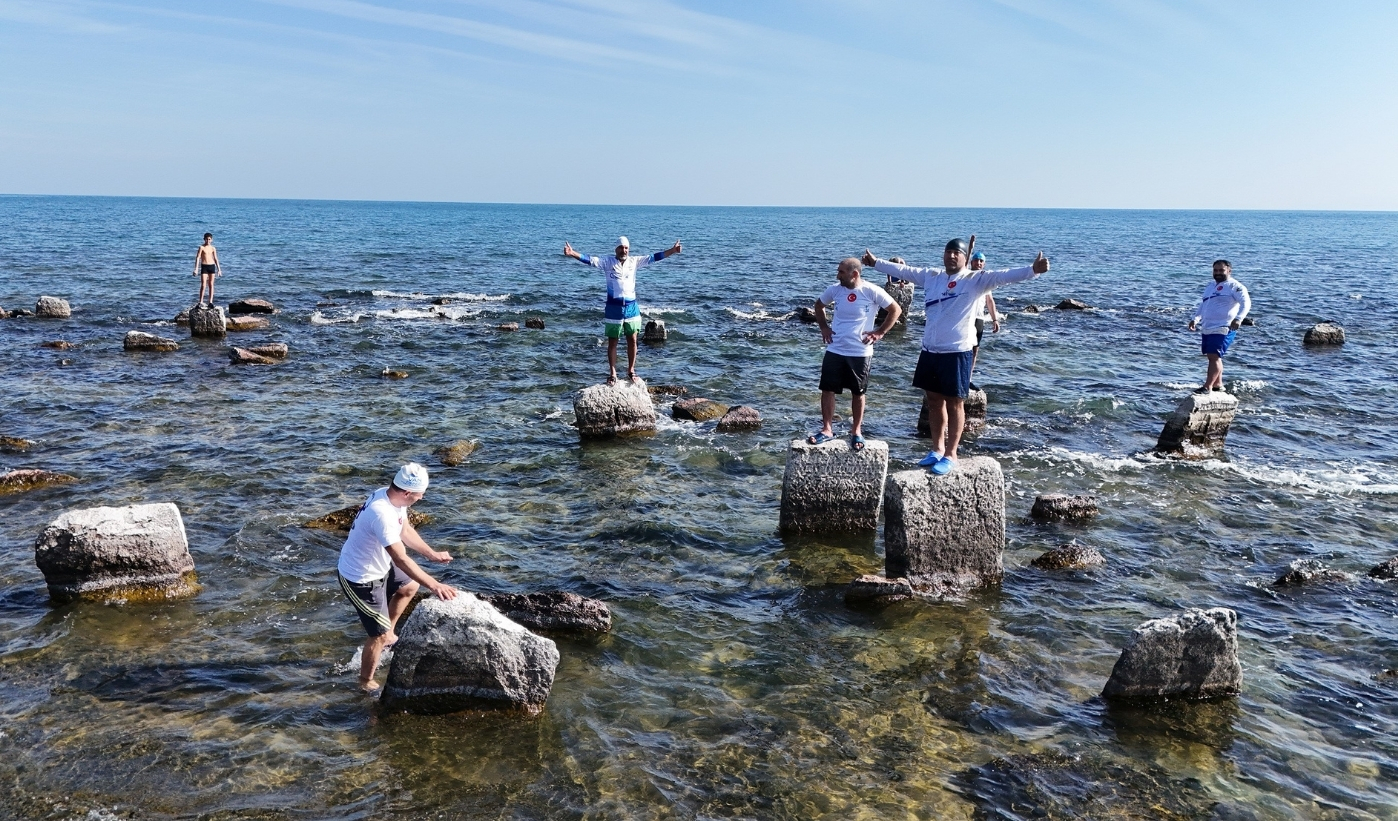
855	309
621	276
379	524
1222	303
953	300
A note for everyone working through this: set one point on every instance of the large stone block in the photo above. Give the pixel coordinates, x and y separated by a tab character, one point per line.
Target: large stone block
207	322
946	532
464	654
556	611
251	306
830	488
610	410
137	552
52	307
1325	333
1198	426
140	341
1191	656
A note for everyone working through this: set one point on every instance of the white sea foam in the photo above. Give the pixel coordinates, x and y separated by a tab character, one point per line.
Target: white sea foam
1356	296
1240	385
461	295
760	315
318	318
1341	480
645	309
410	313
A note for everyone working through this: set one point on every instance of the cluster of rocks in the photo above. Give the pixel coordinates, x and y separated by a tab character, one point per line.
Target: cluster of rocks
731	419
627	407
46	307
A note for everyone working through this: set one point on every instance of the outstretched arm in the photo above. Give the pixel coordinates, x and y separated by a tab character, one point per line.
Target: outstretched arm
583	258
405	563
994	279
416	543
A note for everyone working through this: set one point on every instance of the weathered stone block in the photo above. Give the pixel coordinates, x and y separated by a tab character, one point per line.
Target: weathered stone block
740	418
137	552
1071	556
555	611
831	488
946	532
207	322
611	410
464	654
139	341
243	356
251	306
655	331
1192	656
246	323
902	294
18	481
52	307
1325	333
1199	425
1053	507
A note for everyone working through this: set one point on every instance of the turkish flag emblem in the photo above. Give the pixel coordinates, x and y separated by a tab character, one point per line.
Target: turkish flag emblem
852	297
951	284
1219	288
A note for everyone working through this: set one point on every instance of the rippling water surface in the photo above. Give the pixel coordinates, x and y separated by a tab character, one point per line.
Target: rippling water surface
735	683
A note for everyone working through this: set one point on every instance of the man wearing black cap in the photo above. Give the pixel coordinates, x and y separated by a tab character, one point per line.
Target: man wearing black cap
953	300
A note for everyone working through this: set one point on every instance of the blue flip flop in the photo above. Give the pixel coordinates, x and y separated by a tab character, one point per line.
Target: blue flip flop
819	439
943	466
856	442
932	458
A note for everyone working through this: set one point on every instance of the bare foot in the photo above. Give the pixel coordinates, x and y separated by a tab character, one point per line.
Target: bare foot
370	687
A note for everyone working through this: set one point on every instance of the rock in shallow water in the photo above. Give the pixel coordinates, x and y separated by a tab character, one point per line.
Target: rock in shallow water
1309	571
244	356
52	307
698	409
830	488
246	323
1190	656
339	521
456	453
251	306
1199	426
1054	507
1386	570
1072	305
1071	556
556	611
740	418
946	533
58	345
655	331
535	323
136	553
1325	333
17	481
464	654
140	341
207	322
872	589
15	443
612	410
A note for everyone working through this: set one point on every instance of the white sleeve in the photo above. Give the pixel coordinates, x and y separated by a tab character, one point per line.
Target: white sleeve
1246	300
917	276
828	295
879	296
990	280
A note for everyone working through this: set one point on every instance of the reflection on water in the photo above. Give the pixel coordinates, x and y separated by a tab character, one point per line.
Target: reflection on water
736	683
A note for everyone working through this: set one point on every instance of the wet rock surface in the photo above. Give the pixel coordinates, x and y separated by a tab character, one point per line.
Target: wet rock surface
872	589
141	341
207	322
456	453
535	323
464	654
604	411
1072	305
655	331
52	307
138	552
19	481
339	521
246	323
1190	656
271	350
1324	333
555	611
243	356
1199	426
1056	507
1309	571
508	326
58	345
830	488
1385	570
1071	556
389	373
698	409
1057	787
667	390
740	418
14	443
946	534
251	306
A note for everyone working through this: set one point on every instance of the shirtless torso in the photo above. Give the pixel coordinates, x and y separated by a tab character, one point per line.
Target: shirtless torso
206	267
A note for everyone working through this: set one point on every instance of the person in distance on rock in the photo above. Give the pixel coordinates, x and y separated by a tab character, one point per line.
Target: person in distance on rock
849	346
622	316
206	267
987	311
953	298
375	571
1218	316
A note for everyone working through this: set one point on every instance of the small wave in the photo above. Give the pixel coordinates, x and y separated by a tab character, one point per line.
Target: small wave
1248	385
318	318
1180	386
760	315
1356	296
1332	479
411	313
662	310
461	295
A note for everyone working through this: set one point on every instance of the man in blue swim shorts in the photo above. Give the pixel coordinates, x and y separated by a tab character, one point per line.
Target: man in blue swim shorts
1218	316
953	300
622	315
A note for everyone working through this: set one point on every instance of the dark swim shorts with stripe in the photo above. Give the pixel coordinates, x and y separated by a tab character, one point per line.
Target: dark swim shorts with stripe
370	600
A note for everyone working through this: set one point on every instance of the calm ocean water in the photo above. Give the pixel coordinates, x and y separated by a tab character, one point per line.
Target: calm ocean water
736	683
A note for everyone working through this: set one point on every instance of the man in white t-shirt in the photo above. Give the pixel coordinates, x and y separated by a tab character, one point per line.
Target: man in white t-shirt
621	316
1219	315
375	571
849	346
953	300
988	312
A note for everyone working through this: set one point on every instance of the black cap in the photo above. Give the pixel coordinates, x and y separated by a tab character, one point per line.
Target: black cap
958	244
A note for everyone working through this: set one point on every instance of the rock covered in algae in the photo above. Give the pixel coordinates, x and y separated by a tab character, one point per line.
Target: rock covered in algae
464	654
15	443
1053	507
698	409
138	552
456	453
1071	556
340	521
874	589
1190	656
555	611
18	481
740	418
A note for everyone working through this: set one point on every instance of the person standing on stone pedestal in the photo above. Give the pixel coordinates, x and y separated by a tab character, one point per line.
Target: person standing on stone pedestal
206	267
987	312
1218	316
849	346
622	316
953	299
375	571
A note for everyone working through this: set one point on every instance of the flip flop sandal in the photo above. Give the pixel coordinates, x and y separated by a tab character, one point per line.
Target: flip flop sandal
856	443
819	439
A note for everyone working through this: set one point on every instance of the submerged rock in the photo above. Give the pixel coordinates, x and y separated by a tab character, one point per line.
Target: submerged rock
1057	787
137	552
1071	556
339	521
52	307
140	341
667	390
1198	427
15	443
243	356
464	654
18	481
387	373
872	589
1309	571
740	418
4	314
612	410
456	453
1031	309
508	326
806	314
58	345
1190	656
1248	321
556	611
946	534
271	350
1053	507
1072	305
1386	570
655	331
207	322
18	312
831	488
1325	333
534	323
698	409
251	306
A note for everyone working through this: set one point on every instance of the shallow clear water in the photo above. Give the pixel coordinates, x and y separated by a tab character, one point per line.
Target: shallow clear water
735	683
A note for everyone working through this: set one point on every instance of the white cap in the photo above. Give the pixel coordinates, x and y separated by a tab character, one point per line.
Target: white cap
412	477
624	243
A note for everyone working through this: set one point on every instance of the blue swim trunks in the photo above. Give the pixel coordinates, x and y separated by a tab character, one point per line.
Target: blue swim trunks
1218	343
622	317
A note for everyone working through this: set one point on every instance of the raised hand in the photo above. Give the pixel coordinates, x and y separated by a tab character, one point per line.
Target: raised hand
1041	264
569	252
675	249
868	259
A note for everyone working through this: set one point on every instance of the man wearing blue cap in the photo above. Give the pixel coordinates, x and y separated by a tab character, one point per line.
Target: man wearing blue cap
622	315
953	299
377	575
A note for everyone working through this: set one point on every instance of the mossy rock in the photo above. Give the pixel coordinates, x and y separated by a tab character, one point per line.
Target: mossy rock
185	587
456	453
18	481
15	443
341	520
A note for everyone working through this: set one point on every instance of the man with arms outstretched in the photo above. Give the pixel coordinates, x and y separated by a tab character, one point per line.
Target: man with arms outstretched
622	315
953	299
375	571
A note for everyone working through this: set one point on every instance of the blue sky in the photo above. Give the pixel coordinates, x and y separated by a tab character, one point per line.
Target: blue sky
1035	103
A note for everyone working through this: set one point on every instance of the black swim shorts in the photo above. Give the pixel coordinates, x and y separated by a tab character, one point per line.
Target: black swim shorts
948	374
839	372
370	600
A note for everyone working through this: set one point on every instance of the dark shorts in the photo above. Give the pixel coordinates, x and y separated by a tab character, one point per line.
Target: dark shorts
980	331
839	372
948	374
370	600
208	269
1218	343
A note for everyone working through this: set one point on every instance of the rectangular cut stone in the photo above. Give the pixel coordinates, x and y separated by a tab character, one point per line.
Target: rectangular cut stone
1198	426
829	488
946	532
612	410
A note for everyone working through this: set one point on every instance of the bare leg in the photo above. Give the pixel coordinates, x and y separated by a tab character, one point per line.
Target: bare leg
369	660
856	413
956	423
827	412
1214	379
211	289
937	420
631	357
399	602
611	358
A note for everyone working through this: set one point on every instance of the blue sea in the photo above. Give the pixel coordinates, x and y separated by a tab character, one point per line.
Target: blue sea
735	683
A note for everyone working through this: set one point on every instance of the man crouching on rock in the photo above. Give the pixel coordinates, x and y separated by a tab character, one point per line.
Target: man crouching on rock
377	574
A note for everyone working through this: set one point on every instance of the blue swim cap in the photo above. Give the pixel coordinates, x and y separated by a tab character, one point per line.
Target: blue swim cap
979	255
